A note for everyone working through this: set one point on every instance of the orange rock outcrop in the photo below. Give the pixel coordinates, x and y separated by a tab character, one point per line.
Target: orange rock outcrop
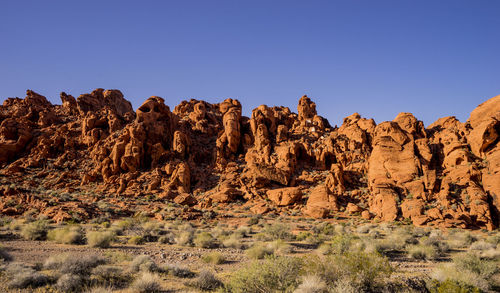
203	154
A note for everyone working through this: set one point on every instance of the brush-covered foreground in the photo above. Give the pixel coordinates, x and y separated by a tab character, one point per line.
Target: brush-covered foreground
254	254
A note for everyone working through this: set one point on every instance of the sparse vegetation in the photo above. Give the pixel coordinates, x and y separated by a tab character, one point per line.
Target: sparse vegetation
36	230
67	235
100	239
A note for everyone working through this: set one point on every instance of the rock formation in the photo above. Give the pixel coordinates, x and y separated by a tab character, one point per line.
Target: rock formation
82	158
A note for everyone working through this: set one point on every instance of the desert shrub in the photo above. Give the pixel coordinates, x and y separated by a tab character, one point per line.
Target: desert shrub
15	225
215	258
69	283
205	281
363	270
4	255
204	240
274	274
280	247
278	231
143	263
109	275
341	243
382	246
254	220
136	240
259	251
36	230
468	269
311	284
451	286
168	238
21	276
242	231
146	283
437	242
303	235
324	228
461	239
184	238
364	229
117	256
67	235
74	264
422	252
100	289
324	249
100	239
233	242
482	246
177	270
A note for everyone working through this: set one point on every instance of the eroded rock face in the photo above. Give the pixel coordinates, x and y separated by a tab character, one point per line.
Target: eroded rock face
204	154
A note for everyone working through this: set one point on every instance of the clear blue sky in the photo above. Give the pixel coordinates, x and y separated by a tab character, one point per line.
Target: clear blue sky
378	58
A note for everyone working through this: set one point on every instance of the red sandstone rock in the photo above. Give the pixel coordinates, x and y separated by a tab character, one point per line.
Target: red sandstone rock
202	153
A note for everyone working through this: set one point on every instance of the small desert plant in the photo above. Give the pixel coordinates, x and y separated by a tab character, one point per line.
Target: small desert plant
364	229
280	247
143	263
205	281
69	283
363	270
177	270
468	269
146	283
4	255
482	246
274	274
233	242
311	284
136	240
74	264
204	240
109	275
341	243
67	235
278	231
184	238
21	276
452	286
36	230
259	251
215	258
167	239
100	239
422	252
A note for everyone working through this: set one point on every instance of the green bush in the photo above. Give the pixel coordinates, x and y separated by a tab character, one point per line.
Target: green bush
100	239
450	286
469	269
278	231
67	235
215	258
422	252
143	263
69	283
363	270
21	277
205	281
312	284
204	240
274	274
146	283
136	240
259	251
74	264
36	230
